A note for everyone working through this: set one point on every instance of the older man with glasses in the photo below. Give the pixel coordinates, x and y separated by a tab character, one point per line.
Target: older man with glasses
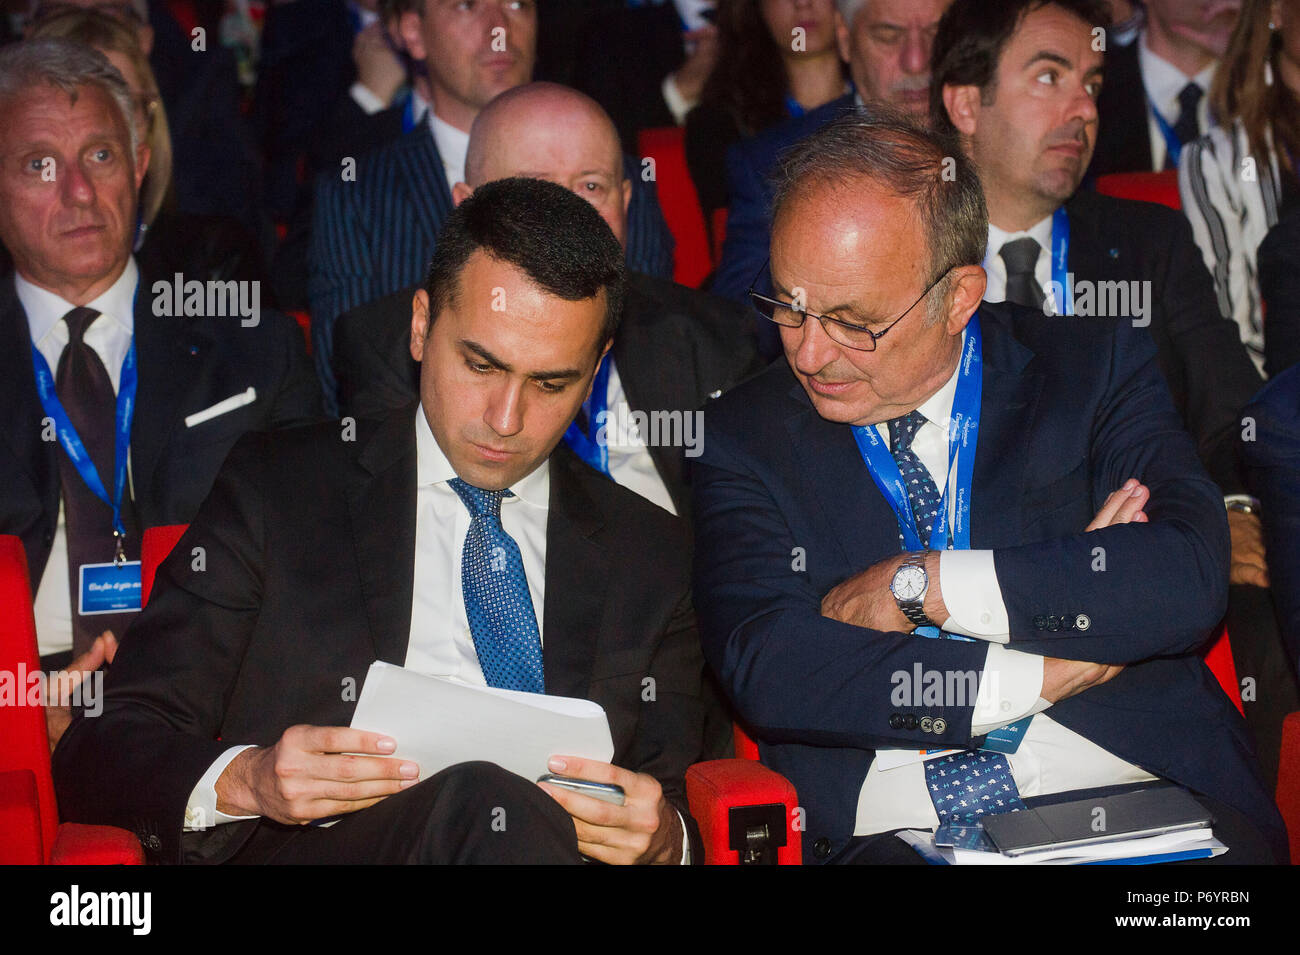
965	528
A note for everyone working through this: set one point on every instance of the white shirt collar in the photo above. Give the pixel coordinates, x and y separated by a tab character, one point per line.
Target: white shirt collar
1164	81
452	145
1040	232
938	407
45	309
432	467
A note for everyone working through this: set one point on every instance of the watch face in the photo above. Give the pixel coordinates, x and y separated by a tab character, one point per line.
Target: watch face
909	583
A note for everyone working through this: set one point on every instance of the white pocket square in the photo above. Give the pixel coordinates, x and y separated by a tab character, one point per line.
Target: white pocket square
222	407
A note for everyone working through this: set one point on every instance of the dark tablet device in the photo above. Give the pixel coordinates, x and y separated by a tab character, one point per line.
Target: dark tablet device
1147	812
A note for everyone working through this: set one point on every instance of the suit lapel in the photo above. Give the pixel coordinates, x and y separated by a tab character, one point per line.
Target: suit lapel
838	481
1009	401
381	505
1088	259
170	353
657	385
577	576
20	424
424	181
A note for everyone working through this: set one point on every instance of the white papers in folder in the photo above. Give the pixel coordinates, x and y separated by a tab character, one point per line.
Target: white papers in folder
438	723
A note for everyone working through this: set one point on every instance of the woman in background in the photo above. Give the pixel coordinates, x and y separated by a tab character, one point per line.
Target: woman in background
1237	181
765	72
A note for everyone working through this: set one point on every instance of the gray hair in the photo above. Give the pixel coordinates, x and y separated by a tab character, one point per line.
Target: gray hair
69	66
887	148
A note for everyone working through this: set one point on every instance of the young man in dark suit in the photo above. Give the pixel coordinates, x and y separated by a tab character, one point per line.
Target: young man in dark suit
825	579
74	309
1031	141
1156	96
327	550
675	349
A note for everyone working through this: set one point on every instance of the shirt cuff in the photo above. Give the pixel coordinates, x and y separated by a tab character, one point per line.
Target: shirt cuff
201	811
370	103
1009	689
678	104
686	840
972	596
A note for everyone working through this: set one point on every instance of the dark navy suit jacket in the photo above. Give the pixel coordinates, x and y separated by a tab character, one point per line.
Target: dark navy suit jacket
1070	410
376	235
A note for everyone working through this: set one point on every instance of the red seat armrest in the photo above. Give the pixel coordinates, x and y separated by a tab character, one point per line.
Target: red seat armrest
96	845
729	795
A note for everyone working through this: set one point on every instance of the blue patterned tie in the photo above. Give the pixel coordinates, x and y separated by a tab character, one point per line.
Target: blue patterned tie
965	786
921	491
497	602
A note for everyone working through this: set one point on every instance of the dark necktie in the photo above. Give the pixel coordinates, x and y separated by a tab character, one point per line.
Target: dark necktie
1188	126
1021	257
497	602
86	393
922	493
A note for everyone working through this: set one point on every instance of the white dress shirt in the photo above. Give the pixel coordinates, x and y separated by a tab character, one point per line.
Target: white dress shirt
1163	82
110	338
452	145
1051	758
630	463
996	269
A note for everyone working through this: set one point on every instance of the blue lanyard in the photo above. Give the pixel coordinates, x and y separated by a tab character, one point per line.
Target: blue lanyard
793	106
1061	259
584	443
963	434
1173	145
408	112
71	441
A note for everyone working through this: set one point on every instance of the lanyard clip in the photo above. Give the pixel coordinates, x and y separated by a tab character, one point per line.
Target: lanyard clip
119	554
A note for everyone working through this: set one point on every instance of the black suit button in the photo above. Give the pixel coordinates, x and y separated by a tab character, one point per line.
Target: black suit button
154	843
926	724
1053	623
910	721
896	721
822	848
1040	622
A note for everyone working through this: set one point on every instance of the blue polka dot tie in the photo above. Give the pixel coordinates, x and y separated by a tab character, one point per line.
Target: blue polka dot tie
921	491
497	602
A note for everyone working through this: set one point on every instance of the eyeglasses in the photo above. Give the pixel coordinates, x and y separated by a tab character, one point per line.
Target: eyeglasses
848	334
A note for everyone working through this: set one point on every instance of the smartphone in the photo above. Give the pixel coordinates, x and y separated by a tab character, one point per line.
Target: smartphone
607	792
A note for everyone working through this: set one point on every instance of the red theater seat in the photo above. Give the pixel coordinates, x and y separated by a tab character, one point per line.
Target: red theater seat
1161	187
30	832
692	262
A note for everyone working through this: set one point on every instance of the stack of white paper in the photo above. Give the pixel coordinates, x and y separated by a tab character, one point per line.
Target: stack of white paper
438	723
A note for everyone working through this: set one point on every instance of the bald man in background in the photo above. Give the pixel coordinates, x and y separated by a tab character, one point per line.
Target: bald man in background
675	349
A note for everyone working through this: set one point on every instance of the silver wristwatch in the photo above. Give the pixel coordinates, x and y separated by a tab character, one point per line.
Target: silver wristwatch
909	587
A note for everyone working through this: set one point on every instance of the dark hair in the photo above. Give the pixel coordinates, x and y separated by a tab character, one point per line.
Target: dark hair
557	238
749	78
886	147
970	40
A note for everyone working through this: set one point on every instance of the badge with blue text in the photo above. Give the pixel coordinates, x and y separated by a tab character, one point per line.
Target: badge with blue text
109	588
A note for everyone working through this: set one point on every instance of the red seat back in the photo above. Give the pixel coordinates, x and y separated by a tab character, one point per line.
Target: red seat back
692	262
24	743
155	545
1161	187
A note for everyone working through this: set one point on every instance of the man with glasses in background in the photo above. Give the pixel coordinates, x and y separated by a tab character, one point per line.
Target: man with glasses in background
937	492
